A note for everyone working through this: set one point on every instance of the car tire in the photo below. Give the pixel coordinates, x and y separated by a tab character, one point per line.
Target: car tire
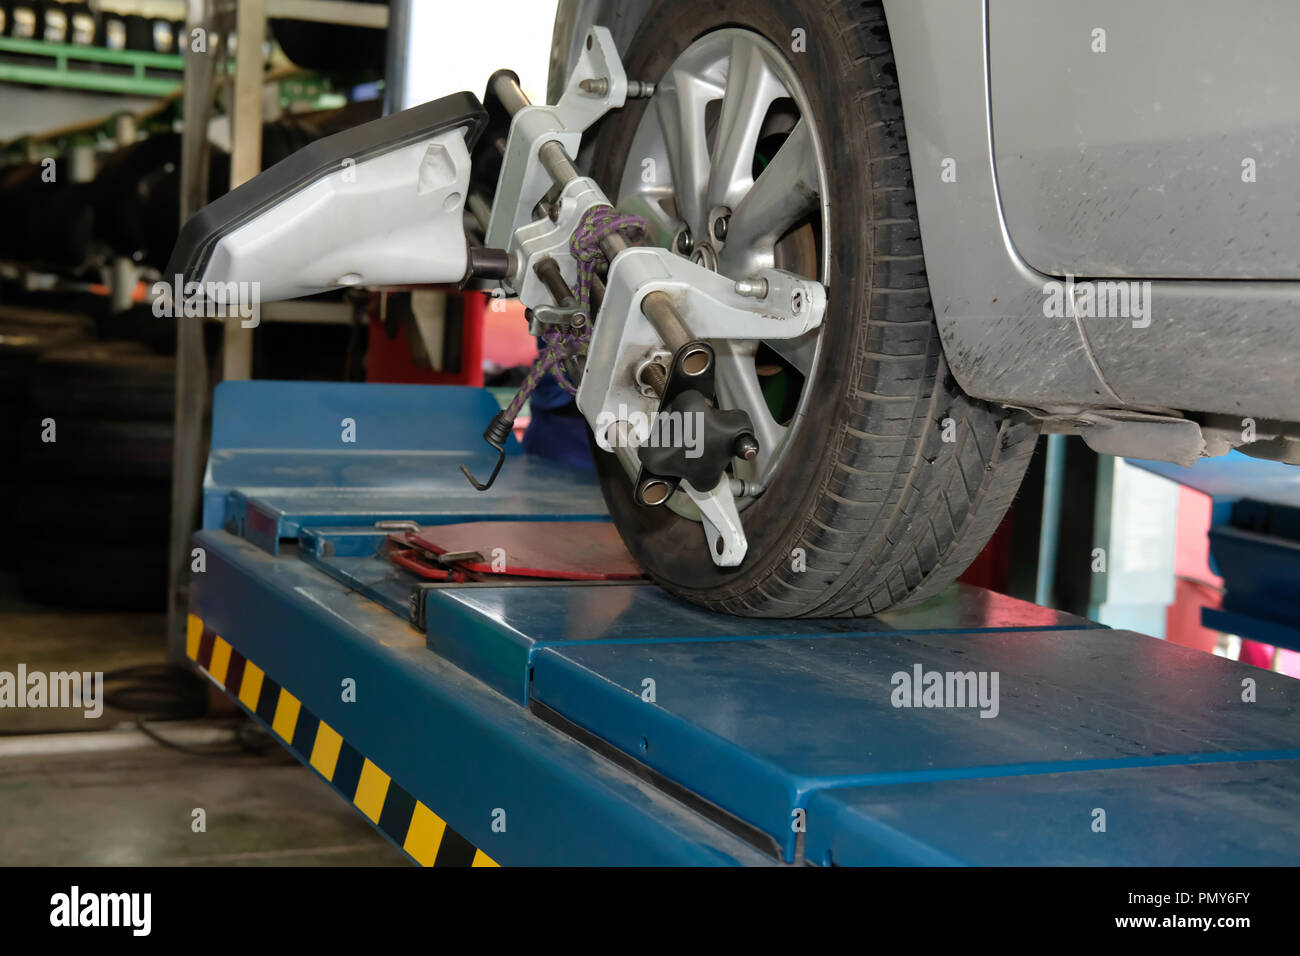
896	479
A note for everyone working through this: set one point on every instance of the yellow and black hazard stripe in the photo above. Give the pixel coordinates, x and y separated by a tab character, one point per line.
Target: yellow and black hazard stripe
407	821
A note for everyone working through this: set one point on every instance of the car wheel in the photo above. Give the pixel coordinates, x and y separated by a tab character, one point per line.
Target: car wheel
879	480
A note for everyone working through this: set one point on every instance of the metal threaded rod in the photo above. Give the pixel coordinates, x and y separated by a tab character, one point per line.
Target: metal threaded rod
506	86
479	209
653	375
659	309
655	306
548	270
556	162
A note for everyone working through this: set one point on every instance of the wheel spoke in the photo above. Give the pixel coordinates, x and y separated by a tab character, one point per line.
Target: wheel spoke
786	192
740	75
799	352
752	87
680	105
658	224
738	387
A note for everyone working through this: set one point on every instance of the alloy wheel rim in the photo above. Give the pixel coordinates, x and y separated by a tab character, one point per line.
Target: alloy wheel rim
729	135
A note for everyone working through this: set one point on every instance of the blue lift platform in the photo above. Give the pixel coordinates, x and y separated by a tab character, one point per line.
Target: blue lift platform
1254	543
608	723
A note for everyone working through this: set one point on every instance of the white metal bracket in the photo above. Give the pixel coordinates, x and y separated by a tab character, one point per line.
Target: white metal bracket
709	306
523	180
722	527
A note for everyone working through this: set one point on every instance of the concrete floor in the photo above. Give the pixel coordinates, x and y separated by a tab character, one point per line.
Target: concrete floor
97	806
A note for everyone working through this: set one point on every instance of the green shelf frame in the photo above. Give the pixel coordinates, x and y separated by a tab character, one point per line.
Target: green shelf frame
63	74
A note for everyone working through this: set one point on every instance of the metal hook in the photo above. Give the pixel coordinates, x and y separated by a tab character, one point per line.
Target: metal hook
496	434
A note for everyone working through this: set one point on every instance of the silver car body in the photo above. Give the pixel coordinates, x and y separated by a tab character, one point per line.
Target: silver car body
1138	159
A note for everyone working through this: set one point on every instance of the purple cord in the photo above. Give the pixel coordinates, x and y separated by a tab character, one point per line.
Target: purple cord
597	224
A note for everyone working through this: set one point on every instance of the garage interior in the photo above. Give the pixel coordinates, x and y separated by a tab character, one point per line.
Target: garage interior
145	545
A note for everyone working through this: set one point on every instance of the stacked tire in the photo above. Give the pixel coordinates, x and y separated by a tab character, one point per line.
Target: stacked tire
25	334
94	505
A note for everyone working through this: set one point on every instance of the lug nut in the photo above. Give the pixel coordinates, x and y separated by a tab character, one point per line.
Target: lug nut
720	228
746	489
599	86
684	242
746	447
